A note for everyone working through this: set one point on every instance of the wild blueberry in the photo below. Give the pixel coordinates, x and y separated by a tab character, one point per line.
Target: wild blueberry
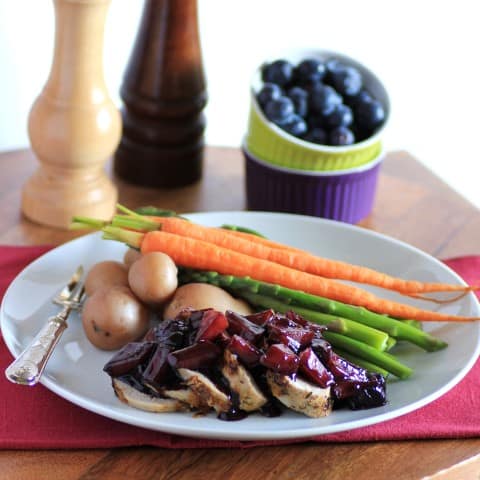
310	71
362	96
279	110
346	80
323	99
341	136
269	91
340	115
361	134
369	115
316	135
296	125
279	72
332	64
315	121
299	97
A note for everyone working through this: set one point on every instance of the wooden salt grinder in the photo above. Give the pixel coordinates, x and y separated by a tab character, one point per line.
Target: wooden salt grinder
164	94
73	125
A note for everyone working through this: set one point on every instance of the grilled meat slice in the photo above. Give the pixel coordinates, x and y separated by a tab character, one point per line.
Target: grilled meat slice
133	397
242	383
187	396
299	395
205	389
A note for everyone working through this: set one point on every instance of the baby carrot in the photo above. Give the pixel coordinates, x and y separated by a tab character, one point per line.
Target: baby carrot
192	253
301	260
175	225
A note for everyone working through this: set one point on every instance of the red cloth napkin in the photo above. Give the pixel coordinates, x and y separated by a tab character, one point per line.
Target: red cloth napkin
37	418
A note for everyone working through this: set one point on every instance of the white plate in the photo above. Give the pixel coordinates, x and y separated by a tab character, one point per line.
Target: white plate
75	369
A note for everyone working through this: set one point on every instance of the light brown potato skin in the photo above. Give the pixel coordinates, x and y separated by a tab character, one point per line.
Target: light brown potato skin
153	278
131	255
202	295
105	274
113	316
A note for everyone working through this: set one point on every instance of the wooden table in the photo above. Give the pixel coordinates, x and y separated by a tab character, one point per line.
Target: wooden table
412	205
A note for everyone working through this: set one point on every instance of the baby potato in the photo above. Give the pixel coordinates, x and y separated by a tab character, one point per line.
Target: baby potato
202	295
105	274
113	316
153	278
131	255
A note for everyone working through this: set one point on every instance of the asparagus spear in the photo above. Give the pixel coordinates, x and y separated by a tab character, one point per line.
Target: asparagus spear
154	211
383	359
391	342
414	323
343	326
395	328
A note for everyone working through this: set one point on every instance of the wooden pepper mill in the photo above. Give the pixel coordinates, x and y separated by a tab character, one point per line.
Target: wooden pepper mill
73	125
164	94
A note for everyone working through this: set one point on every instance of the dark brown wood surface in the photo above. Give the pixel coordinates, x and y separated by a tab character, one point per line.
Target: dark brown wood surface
412	205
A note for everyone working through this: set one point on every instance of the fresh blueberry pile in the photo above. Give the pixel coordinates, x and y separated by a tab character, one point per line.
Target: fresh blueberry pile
323	102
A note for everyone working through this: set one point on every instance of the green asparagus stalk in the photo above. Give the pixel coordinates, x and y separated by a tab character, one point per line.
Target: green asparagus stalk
147	211
343	326
395	328
391	342
383	359
154	211
413	323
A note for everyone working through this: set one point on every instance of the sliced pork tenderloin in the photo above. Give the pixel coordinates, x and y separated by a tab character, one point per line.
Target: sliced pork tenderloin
143	401
205	389
242	383
300	395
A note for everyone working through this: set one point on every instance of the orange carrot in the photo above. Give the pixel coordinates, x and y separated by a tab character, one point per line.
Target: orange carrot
302	260
198	254
177	225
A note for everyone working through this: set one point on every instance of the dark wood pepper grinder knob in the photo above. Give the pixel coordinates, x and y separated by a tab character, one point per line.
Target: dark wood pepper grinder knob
164	94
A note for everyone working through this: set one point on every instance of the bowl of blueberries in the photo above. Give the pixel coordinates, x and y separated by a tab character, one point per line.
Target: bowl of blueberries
316	110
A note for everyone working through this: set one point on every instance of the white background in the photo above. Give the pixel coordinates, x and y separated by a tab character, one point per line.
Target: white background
426	52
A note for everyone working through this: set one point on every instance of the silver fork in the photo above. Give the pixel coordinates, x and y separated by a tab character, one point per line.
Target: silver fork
30	364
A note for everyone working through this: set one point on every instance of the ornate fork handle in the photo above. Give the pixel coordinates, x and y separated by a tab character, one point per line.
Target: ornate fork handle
28	367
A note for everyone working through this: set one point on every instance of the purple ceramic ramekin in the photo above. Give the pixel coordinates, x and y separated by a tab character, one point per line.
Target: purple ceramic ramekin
345	196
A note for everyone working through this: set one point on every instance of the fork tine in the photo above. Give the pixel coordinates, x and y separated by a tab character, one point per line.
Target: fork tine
68	290
79	294
76	300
